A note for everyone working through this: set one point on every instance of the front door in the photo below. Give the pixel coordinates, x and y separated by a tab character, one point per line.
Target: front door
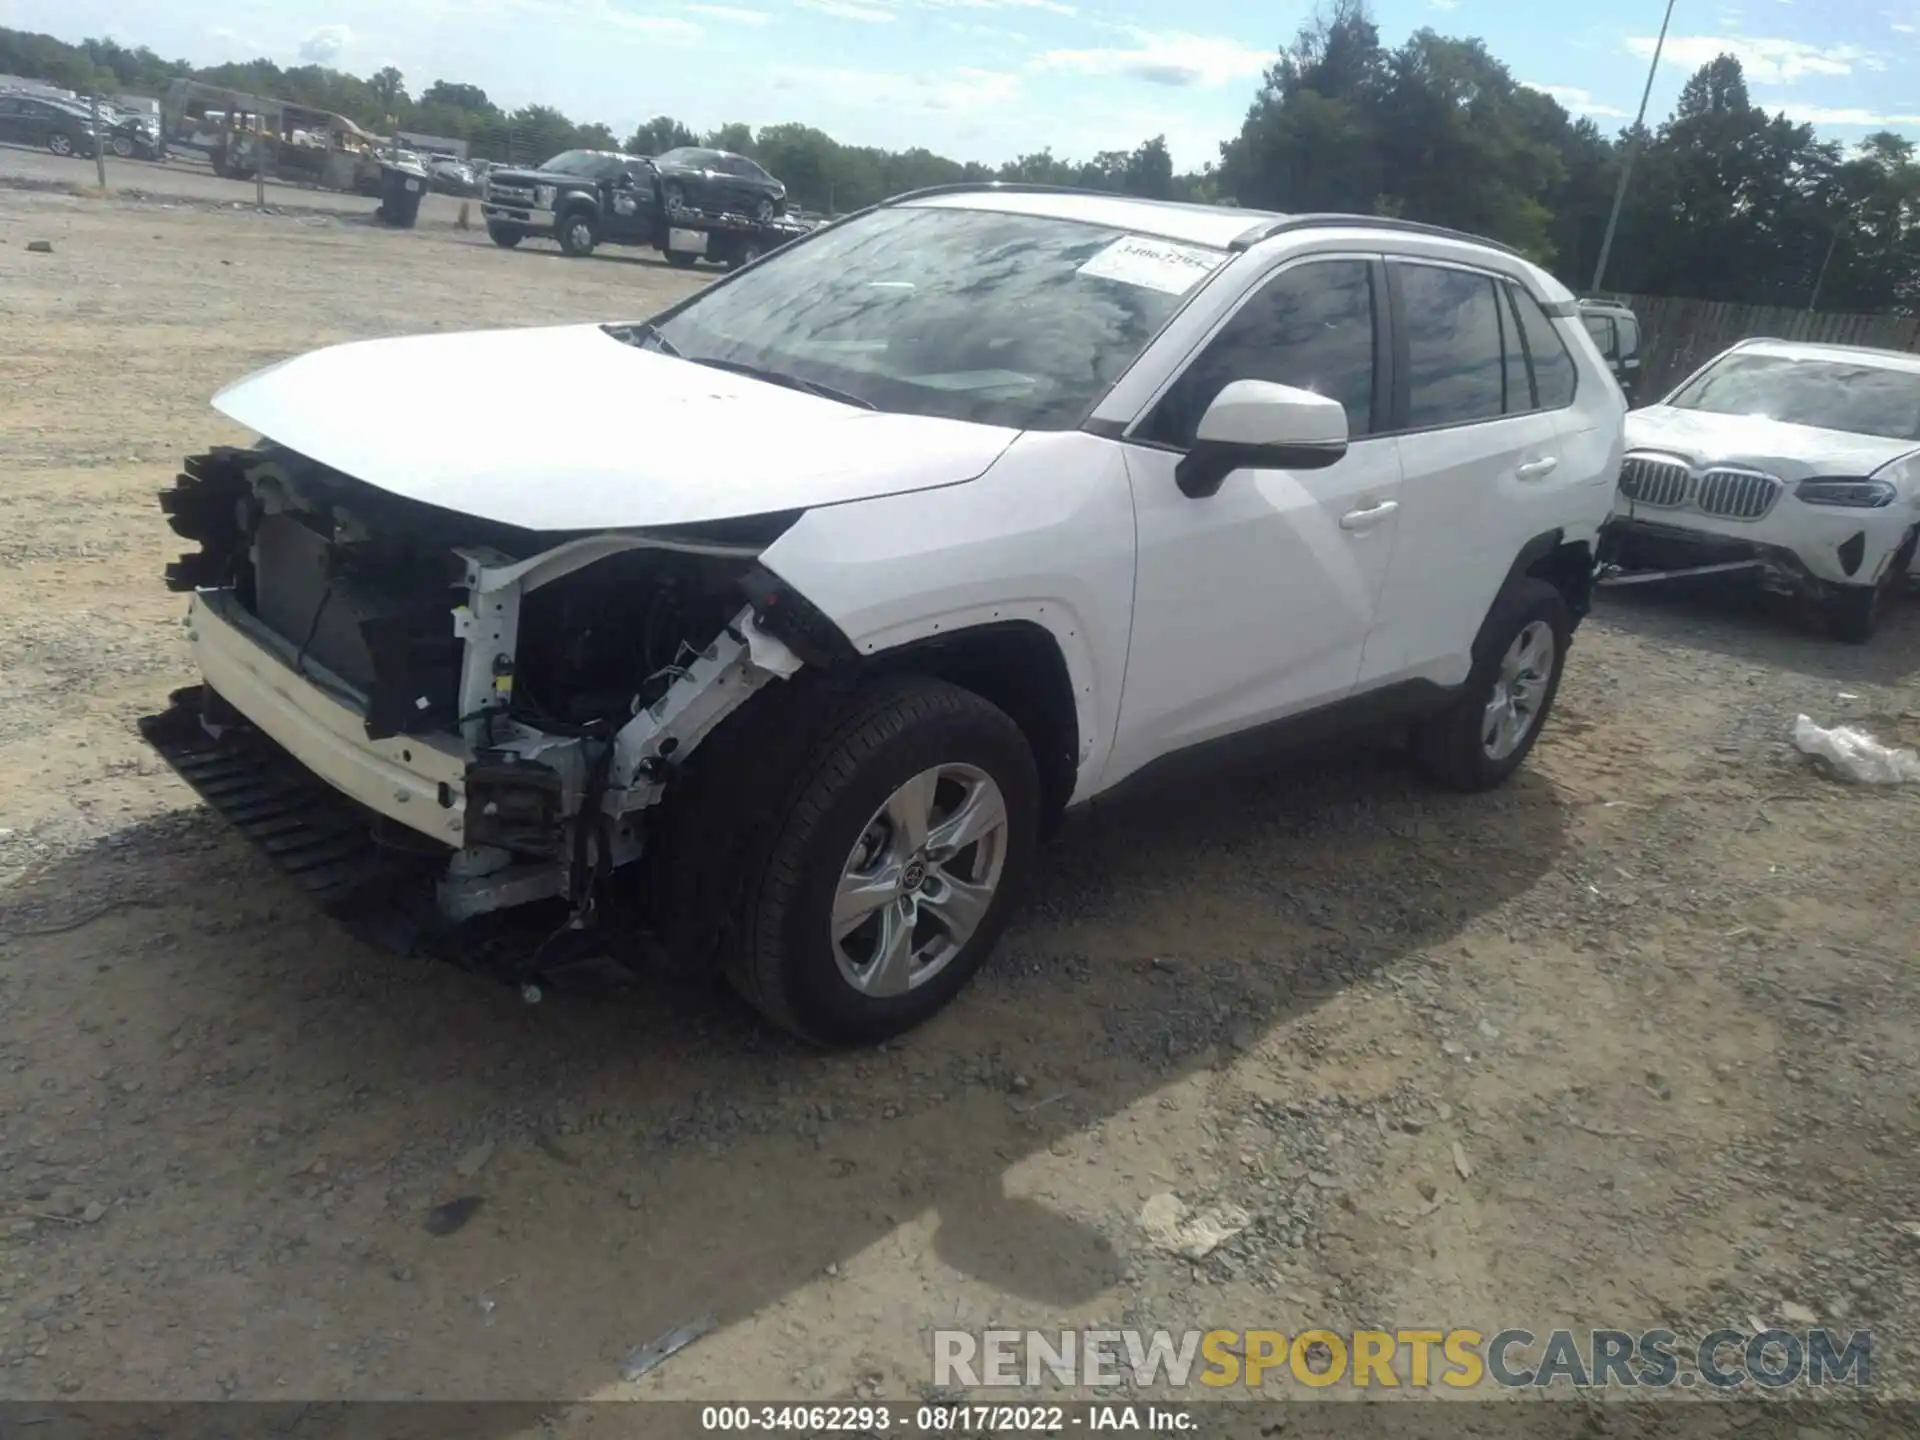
1253	604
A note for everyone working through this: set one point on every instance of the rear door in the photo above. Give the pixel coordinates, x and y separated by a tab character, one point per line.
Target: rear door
13	120
629	214
1480	448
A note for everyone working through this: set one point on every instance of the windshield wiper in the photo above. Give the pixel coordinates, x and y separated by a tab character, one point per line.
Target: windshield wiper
641	331
780	377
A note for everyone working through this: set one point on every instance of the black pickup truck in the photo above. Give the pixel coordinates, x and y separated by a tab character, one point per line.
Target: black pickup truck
587	198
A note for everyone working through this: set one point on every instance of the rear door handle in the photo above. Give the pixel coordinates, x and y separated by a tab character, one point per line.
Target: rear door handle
1537	469
1367	519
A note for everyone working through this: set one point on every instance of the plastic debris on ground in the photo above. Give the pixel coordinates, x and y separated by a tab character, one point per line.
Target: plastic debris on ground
649	1356
1854	755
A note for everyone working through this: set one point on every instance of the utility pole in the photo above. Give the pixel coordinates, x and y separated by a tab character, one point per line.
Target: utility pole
1633	150
1821	279
260	160
99	139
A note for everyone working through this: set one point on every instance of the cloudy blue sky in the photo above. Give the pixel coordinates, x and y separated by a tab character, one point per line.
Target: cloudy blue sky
984	79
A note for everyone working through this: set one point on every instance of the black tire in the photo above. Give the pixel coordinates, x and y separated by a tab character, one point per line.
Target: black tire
1854	613
682	259
123	147
60	143
745	255
1450	746
506	236
763	210
798	783
579	232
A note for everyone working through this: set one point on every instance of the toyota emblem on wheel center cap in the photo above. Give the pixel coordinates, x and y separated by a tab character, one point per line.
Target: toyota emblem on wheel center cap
914	876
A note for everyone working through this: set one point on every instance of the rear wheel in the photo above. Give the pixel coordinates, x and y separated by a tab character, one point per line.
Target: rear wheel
579	234
1479	740
748	252
682	259
506	236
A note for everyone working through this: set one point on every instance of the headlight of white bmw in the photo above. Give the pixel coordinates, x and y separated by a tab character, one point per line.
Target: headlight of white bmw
1845	491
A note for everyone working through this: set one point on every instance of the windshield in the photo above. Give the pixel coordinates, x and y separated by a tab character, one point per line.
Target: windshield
1016	320
689	158
575	162
1844	395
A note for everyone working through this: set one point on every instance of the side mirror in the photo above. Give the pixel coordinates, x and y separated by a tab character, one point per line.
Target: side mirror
1256	423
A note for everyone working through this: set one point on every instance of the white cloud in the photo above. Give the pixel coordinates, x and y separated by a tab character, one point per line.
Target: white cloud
730	14
851	10
1900	29
1766	61
1843	115
323	46
1443	6
1578	101
1052	7
957	90
1167	58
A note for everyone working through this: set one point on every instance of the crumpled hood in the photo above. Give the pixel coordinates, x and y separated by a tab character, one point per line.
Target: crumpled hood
1793	452
567	428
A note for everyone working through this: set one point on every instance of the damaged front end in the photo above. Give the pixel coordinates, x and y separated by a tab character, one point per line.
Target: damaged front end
427	718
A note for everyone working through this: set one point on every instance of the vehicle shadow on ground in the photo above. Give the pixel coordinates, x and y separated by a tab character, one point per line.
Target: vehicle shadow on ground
622	257
659	1156
1747	624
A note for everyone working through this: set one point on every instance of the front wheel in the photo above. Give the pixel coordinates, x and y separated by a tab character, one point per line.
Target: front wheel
123	147
60	144
854	853
506	236
1480	739
578	234
1855	612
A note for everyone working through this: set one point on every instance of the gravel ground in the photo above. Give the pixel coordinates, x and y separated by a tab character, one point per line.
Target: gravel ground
1630	1044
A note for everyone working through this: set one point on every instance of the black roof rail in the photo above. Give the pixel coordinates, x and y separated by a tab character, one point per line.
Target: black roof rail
1008	187
1267	229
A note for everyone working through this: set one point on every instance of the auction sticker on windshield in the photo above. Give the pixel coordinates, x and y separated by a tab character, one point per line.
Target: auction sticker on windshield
1153	264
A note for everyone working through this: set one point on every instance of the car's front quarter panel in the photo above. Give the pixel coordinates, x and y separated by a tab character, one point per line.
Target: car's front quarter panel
1045	537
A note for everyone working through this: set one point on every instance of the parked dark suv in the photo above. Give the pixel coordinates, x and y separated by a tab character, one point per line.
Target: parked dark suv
35	120
1616	330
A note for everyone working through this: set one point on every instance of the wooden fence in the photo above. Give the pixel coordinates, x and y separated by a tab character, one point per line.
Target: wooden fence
1682	335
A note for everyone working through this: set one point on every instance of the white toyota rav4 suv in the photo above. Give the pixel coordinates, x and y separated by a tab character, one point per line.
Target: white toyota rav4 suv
1799	461
779	628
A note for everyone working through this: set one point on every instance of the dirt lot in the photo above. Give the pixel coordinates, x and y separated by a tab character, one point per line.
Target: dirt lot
1633	1043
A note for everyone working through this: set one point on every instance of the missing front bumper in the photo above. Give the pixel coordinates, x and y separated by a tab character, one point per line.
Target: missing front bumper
1640	552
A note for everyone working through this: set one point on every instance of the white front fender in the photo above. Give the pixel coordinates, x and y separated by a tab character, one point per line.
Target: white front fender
1044	537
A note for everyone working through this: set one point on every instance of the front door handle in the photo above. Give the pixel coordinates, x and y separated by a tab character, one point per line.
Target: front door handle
1537	469
1368	518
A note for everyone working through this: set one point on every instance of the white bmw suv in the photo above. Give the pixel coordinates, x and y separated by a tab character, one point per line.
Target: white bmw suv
780	627
1798	461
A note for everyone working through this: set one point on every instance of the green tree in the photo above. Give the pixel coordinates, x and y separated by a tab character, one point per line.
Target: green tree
459	96
659	135
387	88
735	137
